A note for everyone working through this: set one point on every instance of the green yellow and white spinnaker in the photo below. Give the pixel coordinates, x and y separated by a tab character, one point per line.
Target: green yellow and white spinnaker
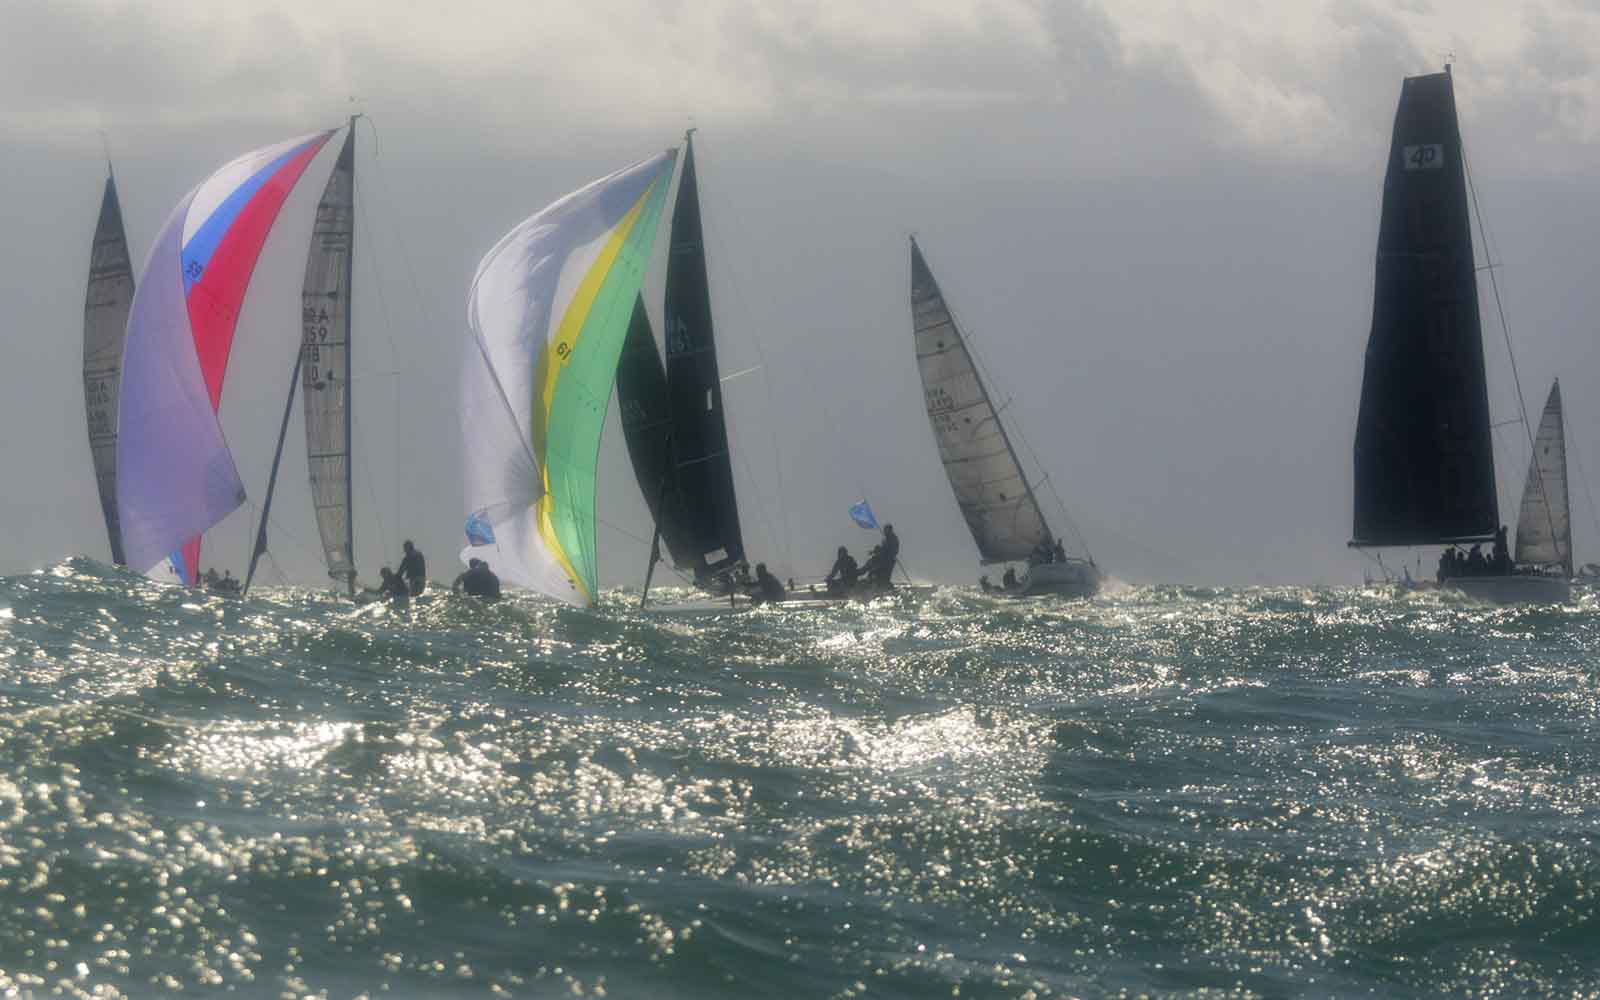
546	319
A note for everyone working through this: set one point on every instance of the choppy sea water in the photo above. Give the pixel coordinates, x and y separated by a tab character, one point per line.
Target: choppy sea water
1164	791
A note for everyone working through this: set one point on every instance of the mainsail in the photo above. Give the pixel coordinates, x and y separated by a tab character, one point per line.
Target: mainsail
105	325
1424	462
176	476
697	513
325	364
1544	527
547	315
988	481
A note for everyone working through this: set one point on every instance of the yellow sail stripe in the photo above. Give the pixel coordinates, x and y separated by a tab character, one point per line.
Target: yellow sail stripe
554	358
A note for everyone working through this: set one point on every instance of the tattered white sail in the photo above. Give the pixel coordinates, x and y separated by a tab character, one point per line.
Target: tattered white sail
325	364
995	499
1544	528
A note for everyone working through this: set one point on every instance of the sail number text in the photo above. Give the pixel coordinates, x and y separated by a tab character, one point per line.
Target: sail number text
1426	157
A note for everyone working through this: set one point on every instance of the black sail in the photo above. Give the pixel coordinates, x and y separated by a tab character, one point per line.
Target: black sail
105	326
1424	464
700	437
645	407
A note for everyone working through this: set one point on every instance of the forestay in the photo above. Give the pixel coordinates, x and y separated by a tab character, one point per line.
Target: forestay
105	325
176	476
988	481
1544	527
1424	462
325	364
546	317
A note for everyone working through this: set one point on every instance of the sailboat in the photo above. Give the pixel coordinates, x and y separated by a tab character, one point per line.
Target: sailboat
200	296
999	504
105	322
672	413
1424	458
547	316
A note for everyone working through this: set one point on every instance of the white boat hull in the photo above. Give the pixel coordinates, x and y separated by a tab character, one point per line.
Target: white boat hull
1514	589
1073	578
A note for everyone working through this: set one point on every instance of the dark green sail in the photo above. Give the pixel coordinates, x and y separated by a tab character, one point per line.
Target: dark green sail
1424	462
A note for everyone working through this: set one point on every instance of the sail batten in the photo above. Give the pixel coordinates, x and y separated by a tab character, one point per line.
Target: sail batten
107	301
1424	462
1544	524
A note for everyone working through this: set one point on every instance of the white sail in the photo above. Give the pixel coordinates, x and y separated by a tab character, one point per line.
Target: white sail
105	323
1544	528
995	498
546	319
325	363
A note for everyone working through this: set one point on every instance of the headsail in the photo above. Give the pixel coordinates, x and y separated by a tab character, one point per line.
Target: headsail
644	406
1544	527
988	481
547	315
105	325
1424	462
175	474
325	364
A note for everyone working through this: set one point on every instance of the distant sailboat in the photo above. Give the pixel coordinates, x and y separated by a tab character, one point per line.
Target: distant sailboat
995	496
1424	457
176	475
105	325
1544	524
547	317
672	414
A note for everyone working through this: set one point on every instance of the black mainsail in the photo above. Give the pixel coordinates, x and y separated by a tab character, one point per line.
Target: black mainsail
1424	462
672	414
105	327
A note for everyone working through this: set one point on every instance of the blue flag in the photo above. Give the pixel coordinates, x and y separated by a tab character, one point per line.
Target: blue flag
861	513
479	531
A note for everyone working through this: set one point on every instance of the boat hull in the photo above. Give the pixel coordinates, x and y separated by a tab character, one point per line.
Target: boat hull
1073	578
1529	589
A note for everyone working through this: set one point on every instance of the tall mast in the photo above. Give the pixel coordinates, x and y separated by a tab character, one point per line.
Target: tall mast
349	372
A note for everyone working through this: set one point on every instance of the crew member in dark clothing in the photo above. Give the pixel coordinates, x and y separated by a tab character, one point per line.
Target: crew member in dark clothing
1445	565
880	567
413	570
1061	552
1009	581
1502	552
1042	554
844	573
477	581
1476	564
391	587
768	587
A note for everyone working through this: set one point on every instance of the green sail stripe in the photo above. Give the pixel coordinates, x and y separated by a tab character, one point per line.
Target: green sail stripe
583	394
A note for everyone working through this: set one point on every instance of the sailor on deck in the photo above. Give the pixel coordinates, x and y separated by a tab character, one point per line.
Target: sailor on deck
844	573
880	566
478	580
768	587
413	570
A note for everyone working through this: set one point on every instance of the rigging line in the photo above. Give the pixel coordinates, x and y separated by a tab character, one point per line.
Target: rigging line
1516	380
1595	514
619	529
772	430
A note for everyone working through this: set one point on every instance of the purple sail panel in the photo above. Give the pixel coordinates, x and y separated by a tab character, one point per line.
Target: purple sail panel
175	476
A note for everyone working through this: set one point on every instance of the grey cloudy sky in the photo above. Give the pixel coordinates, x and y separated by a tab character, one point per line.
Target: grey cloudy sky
1157	219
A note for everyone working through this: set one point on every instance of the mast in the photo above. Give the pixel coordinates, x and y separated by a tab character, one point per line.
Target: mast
998	502
260	547
350	382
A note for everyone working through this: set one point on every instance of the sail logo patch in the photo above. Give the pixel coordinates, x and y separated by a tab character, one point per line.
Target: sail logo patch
1425	157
